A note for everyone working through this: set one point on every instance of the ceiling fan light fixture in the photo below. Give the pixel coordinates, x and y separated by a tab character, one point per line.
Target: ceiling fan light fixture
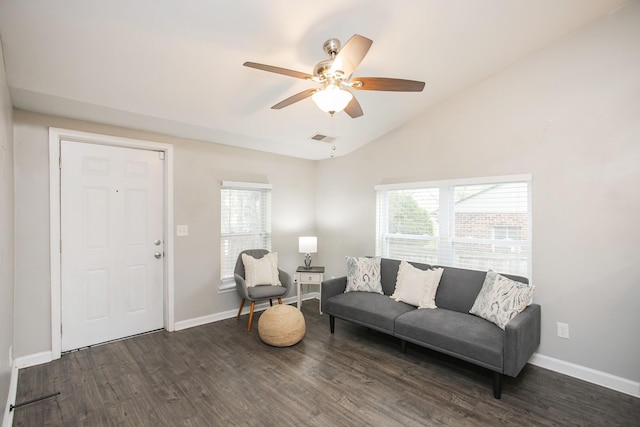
332	99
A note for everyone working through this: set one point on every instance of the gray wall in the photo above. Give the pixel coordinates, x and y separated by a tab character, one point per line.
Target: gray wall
7	234
570	116
199	168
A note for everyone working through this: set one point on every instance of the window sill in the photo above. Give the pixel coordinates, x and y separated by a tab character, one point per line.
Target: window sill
227	285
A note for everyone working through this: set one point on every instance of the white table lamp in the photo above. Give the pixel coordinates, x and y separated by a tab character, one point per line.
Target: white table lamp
307	245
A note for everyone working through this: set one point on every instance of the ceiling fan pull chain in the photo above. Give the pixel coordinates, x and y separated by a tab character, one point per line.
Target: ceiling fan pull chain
333	135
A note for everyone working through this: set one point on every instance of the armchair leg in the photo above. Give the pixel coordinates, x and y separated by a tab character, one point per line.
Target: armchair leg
270	302
332	323
497	385
403	346
279	300
253	306
240	310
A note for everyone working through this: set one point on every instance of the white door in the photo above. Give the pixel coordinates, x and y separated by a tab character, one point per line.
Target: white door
112	267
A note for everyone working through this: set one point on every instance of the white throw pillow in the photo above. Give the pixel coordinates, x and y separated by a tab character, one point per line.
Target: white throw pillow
363	274
261	271
415	286
501	299
428	299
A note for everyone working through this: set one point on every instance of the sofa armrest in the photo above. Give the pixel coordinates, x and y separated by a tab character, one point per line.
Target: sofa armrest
332	287
521	339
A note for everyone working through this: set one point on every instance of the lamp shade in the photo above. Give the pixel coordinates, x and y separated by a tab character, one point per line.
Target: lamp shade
332	99
308	245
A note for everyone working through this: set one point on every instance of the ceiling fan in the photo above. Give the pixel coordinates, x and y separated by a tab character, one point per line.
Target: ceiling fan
335	78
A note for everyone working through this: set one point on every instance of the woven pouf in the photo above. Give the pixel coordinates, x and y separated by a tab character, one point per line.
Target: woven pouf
281	326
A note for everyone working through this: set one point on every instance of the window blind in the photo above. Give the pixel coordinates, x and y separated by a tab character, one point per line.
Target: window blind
245	222
478	224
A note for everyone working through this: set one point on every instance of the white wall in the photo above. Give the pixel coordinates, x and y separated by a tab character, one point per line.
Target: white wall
199	168
6	235
570	116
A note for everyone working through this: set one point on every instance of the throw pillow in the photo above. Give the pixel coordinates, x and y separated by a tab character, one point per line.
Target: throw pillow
363	274
428	299
415	286
501	299
261	271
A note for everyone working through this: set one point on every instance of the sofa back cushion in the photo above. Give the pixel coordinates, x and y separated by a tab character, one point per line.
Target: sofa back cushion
458	287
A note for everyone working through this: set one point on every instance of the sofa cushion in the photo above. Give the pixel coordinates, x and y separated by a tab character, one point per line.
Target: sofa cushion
459	288
370	309
459	334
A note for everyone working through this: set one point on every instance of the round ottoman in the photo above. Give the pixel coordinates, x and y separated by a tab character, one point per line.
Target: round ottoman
281	326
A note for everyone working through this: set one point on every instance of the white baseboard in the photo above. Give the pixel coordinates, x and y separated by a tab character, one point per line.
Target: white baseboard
33	359
311	295
603	379
210	318
7	420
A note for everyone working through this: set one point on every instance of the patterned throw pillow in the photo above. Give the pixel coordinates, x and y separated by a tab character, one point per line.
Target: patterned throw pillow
416	287
501	299
363	274
261	271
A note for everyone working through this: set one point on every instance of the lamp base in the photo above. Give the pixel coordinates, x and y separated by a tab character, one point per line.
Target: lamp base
307	260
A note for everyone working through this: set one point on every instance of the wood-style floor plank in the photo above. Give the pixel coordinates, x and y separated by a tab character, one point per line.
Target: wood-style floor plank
220	375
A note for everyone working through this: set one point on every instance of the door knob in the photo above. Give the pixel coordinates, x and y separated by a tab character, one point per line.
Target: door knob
157	242
157	255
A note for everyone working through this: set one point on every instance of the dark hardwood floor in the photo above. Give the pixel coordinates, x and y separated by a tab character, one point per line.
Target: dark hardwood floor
220	375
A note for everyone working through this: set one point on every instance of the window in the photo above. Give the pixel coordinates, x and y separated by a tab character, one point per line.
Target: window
506	232
479	224
245	216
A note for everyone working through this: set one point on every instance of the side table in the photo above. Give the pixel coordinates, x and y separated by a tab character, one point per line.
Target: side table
309	276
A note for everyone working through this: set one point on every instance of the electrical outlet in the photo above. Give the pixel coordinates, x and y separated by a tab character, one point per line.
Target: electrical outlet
563	330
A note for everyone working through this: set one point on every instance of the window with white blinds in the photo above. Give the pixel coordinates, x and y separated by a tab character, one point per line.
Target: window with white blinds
245	214
480	224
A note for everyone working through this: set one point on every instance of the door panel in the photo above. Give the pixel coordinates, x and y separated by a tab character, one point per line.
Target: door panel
111	215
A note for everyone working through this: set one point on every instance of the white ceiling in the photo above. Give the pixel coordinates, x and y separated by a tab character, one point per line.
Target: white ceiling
175	67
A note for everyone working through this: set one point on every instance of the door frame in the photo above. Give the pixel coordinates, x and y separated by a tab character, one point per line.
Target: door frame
55	136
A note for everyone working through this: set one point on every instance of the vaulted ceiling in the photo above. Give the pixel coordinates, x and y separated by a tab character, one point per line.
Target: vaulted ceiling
175	67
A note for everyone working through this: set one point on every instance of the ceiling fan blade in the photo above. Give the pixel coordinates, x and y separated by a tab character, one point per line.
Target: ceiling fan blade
293	99
351	55
384	83
353	108
278	70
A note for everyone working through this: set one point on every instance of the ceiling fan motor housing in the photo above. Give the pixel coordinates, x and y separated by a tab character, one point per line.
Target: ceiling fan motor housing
321	69
331	48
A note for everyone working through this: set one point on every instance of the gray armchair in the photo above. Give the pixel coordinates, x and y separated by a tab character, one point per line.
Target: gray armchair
261	292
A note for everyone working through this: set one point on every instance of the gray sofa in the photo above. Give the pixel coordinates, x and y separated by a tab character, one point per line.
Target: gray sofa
449	329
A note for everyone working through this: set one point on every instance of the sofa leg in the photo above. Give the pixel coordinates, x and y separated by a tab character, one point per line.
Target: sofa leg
332	323
403	346
497	385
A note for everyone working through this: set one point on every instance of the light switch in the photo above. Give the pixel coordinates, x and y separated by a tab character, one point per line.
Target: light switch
182	230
